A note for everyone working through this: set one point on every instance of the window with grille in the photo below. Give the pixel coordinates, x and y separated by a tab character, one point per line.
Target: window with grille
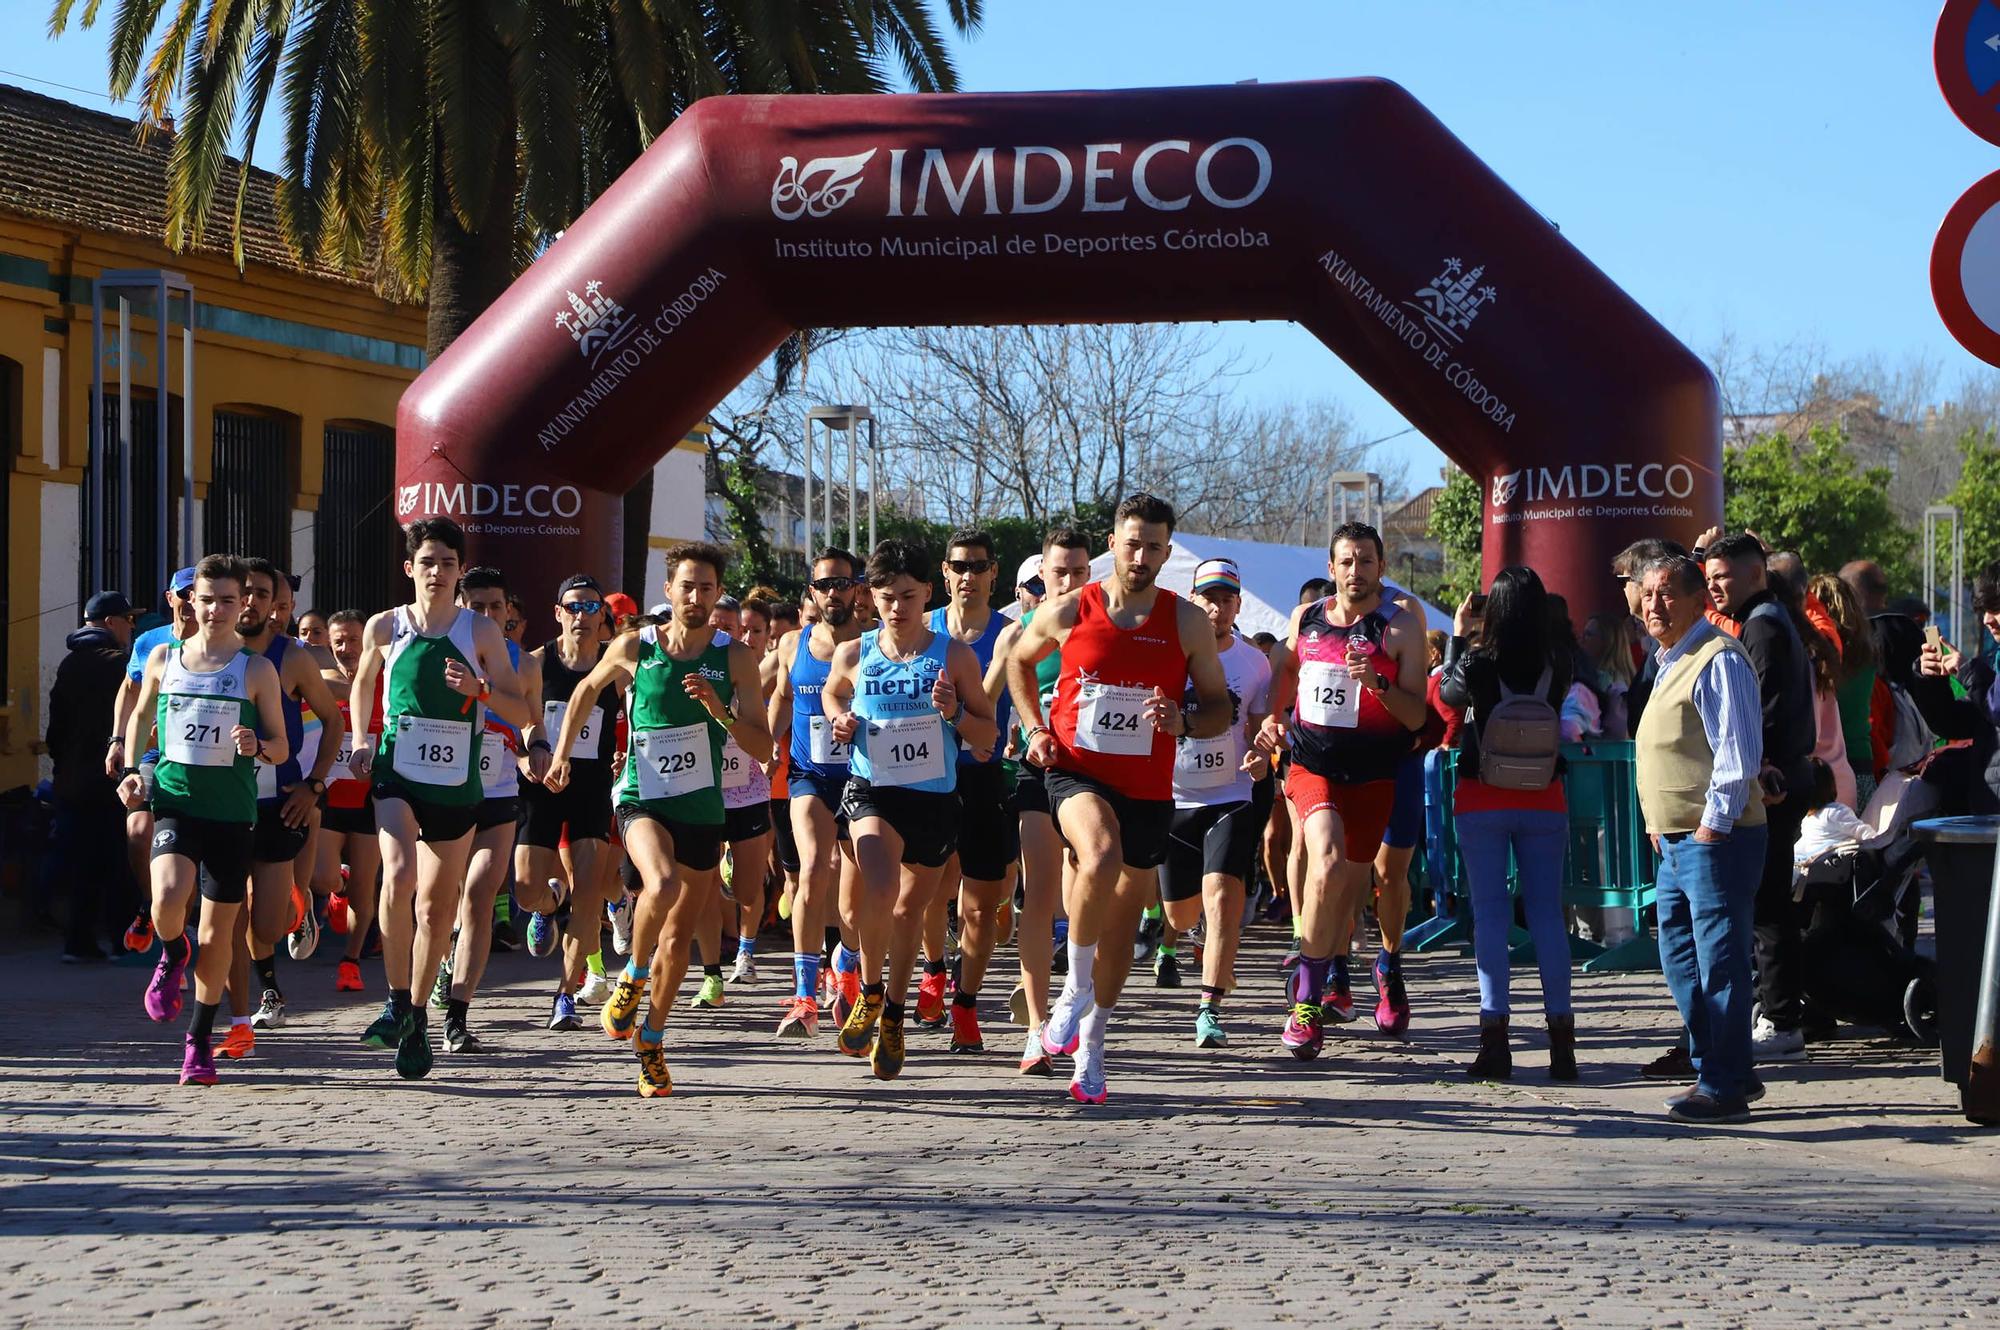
249	508
357	544
142	536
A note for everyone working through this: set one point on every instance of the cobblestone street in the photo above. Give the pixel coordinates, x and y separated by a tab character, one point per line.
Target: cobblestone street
782	1185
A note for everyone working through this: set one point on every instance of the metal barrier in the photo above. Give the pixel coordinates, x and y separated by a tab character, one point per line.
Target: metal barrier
1608	862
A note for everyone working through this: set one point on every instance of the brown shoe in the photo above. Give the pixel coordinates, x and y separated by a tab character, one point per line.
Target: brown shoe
1672	1065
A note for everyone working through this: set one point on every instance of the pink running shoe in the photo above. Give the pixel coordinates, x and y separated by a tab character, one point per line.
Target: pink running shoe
198	1063
1060	1033
1337	1005
163	994
1392	1006
1305	1026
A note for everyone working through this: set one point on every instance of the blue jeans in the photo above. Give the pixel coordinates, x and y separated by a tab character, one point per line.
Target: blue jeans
1706	896
1535	836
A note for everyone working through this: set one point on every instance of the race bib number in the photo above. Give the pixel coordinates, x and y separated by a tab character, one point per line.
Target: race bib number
1328	697
496	763
827	751
735	766
433	752
1201	764
587	740
673	762
907	750
345	758
198	731
1111	719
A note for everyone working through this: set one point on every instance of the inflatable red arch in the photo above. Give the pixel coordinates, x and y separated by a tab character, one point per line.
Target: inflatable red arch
1343	205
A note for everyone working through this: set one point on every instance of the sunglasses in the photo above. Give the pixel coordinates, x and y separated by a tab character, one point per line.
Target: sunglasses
185	593
1034	586
964	566
581	607
833	583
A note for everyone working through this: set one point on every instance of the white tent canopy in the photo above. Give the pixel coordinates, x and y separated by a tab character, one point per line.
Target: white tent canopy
1272	575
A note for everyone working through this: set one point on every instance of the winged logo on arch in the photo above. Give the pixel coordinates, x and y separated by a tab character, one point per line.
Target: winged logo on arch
817	188
1506	487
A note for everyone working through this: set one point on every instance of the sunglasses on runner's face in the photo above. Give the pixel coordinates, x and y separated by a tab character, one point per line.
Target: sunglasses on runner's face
1034	586
830	584
580	607
964	566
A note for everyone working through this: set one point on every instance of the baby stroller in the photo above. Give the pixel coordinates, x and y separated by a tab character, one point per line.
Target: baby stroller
1860	965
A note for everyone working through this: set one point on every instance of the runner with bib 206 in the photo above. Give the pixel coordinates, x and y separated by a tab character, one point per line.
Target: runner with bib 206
1129	650
1355	665
688	695
216	710
907	697
441	665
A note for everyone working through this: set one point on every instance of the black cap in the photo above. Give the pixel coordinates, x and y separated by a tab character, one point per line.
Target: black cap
106	605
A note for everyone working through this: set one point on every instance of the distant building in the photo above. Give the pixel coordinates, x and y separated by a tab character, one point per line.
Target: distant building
1411	552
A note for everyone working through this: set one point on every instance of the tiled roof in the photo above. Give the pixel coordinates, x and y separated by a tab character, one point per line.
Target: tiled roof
82	168
1416	513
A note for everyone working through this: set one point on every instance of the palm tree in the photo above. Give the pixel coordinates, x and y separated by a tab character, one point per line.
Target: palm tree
435	143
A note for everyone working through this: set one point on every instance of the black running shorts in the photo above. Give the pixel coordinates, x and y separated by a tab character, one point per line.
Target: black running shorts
1143	824
696	848
583	807
274	842
927	822
221	848
989	832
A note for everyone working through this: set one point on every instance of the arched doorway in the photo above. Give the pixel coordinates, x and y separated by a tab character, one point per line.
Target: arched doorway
1344	206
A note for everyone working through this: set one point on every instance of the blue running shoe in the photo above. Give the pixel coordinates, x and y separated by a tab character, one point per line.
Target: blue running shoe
562	1014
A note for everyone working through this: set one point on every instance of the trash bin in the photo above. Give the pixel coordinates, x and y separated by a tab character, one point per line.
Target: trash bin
1960	851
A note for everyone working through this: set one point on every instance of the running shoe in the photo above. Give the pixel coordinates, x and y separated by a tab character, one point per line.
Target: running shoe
1208	1031
441	990
562	1013
596	987
1392	1006
303	941
785	907
1059	1035
1148	941
347	977
1292	955
1087	1085
745	969
1305	1030
621	1009
1166	970
801	1019
387	1029
339	914
886	1058
965	1030
270	1013
1034	1061
139	933
239	1042
301	907
163	994
857	1031
1337	1004
413	1054
545	930
710	996
846	995
655	1081
829	994
620	913
930	999
504	937
1017	1004
459	1038
197	1063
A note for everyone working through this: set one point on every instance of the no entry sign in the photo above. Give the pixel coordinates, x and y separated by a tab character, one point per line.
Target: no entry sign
1966	54
1965	270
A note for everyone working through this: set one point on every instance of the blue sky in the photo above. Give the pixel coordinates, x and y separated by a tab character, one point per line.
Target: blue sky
1772	170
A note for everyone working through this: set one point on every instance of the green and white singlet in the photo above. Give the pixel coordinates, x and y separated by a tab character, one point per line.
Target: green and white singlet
672	770
429	748
200	773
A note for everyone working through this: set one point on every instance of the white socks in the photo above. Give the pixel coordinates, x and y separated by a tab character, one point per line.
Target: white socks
1091	1030
1082	967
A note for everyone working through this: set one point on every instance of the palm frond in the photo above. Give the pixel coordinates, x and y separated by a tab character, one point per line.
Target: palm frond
468	85
201	147
163	71
131	29
322	78
266	58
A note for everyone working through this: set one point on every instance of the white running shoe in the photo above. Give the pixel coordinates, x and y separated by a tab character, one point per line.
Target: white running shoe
270	1013
1059	1035
745	969
303	942
1087	1086
1034	1058
595	990
1770	1044
621	923
1017	1004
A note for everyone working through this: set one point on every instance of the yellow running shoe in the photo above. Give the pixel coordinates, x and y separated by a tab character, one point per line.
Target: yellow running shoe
861	1018
621	1013
655	1081
887	1057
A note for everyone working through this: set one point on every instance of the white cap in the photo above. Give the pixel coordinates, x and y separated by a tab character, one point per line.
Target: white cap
663	610
1030	567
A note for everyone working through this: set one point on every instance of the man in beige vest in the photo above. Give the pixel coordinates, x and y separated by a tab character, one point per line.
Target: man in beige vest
1699	749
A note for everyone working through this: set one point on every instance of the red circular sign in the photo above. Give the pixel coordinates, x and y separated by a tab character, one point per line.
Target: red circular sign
1965	269
1966	55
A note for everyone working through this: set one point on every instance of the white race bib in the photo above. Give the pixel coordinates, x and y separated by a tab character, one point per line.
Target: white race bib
496	763
433	752
1111	719
346	757
267	780
586	740
1328	696
1200	764
827	751
673	762
907	750
735	766
198	731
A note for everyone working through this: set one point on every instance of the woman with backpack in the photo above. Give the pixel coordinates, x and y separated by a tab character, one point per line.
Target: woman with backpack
1510	691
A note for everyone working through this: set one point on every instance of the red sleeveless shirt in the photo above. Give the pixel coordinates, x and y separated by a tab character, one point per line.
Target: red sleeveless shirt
1108	672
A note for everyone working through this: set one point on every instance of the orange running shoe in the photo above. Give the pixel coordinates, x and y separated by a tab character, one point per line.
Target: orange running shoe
300	904
347	979
965	1037
337	912
238	1042
930	999
801	1019
139	933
